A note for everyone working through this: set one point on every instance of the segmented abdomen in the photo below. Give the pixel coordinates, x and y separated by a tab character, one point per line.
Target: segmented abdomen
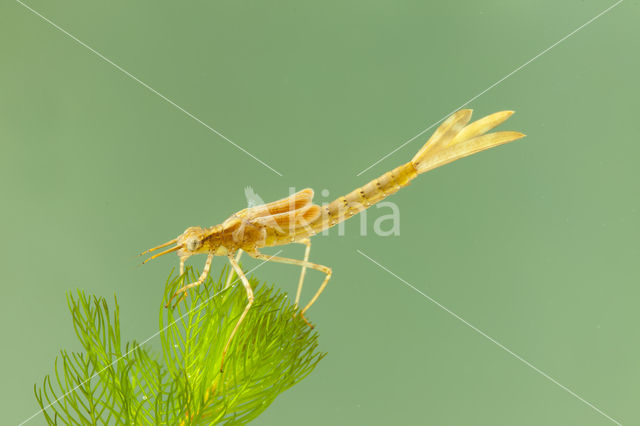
360	199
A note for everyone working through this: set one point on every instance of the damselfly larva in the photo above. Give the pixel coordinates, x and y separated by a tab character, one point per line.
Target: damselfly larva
295	219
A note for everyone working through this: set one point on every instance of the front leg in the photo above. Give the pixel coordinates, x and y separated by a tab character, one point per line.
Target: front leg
203	276
182	260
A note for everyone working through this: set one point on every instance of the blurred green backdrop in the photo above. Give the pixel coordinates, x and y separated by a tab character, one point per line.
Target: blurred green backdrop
535	243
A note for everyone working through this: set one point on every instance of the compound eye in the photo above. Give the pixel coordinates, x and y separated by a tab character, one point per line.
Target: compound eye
192	244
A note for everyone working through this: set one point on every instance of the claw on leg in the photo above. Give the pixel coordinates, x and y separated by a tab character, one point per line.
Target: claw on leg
304	319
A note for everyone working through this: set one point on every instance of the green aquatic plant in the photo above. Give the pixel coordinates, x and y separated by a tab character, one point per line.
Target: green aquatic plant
109	382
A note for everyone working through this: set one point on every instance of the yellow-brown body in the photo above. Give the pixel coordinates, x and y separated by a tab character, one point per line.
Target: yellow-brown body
295	219
240	232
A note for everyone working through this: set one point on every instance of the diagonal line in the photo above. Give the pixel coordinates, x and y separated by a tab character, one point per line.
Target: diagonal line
495	84
150	337
151	89
500	345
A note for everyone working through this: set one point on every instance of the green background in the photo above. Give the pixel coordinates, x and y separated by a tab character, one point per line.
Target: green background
535	243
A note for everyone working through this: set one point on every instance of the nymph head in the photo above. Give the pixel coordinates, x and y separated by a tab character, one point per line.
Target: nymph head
190	242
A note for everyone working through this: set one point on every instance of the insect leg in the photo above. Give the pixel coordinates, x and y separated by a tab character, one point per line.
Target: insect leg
301	263
182	259
203	276
231	272
247	287
306	242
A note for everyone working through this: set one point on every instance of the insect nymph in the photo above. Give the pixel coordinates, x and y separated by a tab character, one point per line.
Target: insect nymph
295	219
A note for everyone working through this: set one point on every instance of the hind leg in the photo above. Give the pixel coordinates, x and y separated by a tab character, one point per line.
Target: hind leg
307	250
326	270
